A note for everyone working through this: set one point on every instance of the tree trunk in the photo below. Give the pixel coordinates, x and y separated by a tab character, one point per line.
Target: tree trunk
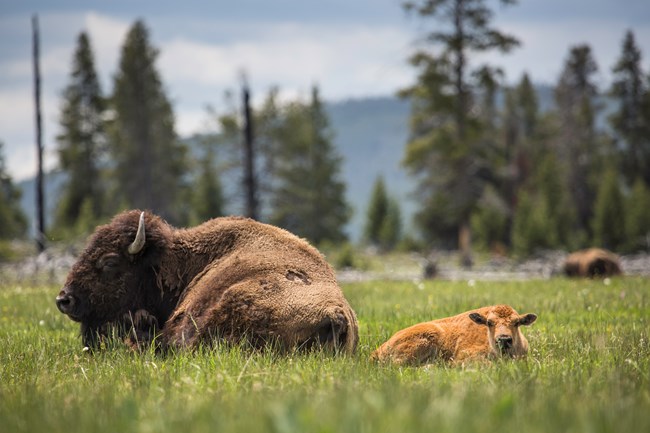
40	206
250	184
465	243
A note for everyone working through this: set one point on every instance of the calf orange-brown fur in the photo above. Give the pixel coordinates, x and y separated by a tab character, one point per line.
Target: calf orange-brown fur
482	333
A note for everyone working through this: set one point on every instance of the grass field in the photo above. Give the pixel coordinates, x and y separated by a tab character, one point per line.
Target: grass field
588	370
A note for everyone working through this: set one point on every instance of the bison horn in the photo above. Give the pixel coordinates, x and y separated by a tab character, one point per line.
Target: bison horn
138	243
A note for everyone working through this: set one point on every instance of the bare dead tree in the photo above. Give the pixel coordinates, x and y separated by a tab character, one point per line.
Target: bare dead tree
40	218
250	182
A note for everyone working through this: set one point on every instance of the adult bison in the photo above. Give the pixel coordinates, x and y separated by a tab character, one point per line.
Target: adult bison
592	262
230	278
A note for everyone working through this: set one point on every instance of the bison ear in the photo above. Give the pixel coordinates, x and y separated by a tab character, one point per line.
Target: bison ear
477	318
526	319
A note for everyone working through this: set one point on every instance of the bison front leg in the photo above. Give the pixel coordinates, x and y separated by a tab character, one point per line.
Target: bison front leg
236	316
142	328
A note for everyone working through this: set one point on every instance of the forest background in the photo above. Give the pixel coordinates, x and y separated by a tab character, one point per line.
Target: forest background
485	160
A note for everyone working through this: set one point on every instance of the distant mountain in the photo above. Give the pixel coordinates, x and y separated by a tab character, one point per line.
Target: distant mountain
370	136
52	183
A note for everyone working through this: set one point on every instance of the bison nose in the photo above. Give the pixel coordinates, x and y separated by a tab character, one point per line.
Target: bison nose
65	302
504	341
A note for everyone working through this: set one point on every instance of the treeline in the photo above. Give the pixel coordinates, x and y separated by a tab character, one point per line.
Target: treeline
506	174
121	151
493	169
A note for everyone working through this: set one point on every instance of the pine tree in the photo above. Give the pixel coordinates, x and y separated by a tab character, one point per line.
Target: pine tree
490	220
609	219
383	218
208	199
13	222
560	214
529	147
444	147
309	197
628	122
269	123
530	231
377	212
391	229
227	142
579	143
149	159
637	218
81	144
544	217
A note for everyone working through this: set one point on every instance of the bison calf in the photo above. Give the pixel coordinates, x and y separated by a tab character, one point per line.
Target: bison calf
230	278
592	262
483	333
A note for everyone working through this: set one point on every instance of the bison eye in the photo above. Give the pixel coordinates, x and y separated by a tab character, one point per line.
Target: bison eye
490	323
108	263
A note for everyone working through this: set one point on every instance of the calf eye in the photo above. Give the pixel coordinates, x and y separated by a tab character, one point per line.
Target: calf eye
490	323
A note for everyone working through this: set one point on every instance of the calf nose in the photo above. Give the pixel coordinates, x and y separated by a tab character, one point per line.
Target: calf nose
65	302
504	340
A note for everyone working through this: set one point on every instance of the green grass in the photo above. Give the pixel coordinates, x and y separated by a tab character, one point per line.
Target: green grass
588	370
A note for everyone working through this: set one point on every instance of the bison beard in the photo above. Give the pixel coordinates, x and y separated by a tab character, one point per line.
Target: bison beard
230	279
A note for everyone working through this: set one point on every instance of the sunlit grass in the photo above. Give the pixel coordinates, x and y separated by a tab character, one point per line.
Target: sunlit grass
588	370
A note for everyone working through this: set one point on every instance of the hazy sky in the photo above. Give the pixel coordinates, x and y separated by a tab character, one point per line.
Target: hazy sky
350	48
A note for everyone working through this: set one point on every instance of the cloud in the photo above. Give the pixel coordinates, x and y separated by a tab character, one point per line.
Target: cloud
107	35
545	47
345	61
201	58
18	130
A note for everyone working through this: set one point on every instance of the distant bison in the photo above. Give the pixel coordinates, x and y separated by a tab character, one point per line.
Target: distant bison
484	333
230	278
592	262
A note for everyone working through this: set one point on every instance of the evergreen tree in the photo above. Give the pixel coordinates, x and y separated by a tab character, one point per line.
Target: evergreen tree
444	147
530	231
529	106
377	212
227	142
631	127
269	123
609	219
208	200
308	197
528	146
81	144
579	143
559	212
544	217
637	218
391	229
383	218
490	220
149	159
13	222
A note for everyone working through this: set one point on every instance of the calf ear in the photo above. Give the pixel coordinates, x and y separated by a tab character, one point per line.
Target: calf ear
478	318
526	319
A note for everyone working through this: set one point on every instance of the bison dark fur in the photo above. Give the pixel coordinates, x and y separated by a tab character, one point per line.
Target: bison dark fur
230	278
592	262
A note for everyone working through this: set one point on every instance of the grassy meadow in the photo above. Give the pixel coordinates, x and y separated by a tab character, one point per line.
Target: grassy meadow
588	370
